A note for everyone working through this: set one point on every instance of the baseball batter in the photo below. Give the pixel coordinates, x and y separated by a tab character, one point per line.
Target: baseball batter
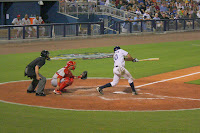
120	70
64	77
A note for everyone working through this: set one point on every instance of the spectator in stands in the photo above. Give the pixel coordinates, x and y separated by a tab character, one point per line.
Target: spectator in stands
146	24
147	15
126	24
120	4
142	7
26	21
38	21
163	8
164	16
17	21
137	25
123	7
138	11
156	6
198	14
157	23
189	23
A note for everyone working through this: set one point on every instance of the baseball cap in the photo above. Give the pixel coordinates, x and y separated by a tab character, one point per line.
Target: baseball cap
18	16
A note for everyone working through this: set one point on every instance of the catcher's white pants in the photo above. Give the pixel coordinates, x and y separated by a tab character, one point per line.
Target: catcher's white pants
118	72
54	81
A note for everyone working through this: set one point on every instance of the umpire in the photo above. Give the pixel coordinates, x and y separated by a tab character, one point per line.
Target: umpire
32	71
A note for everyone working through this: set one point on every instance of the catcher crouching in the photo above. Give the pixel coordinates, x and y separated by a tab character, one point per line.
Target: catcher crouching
64	77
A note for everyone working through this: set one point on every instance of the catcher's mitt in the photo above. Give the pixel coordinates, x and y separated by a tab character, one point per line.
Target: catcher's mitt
84	75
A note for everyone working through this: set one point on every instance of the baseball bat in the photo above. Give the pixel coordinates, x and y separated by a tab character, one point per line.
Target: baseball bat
150	59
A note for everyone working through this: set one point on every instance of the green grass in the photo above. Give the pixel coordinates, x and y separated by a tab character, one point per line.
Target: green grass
197	82
173	56
33	119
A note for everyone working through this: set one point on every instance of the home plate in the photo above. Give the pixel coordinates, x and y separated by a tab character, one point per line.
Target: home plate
119	92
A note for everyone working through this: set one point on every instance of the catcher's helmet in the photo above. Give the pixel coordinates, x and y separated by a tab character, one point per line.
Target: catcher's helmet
71	63
45	54
116	48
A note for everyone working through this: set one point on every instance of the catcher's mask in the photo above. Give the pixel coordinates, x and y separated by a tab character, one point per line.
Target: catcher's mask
116	48
45	54
71	63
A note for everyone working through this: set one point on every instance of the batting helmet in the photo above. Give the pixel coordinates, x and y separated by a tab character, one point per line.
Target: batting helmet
116	48
71	63
45	54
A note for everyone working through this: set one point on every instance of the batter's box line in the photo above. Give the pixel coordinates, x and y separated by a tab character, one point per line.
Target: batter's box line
133	98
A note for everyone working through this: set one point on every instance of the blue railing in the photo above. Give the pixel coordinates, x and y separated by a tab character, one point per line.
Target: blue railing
157	25
10	32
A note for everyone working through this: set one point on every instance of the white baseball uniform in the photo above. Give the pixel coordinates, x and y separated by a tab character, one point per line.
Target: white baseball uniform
17	21
27	22
37	22
119	67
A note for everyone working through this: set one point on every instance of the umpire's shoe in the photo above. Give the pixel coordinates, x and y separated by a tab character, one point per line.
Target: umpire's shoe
100	90
30	91
40	94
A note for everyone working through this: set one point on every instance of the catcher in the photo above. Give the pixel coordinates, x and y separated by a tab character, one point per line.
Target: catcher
64	77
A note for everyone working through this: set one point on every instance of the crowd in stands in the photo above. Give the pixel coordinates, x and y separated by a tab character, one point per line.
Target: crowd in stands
166	9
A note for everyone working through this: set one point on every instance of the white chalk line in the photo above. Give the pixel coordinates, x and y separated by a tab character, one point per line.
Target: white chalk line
164	80
128	98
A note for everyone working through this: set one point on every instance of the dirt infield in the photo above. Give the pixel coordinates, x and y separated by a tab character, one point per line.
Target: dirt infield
155	93
170	94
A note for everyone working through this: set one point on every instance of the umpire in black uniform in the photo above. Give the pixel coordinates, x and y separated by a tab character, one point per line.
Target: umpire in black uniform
32	71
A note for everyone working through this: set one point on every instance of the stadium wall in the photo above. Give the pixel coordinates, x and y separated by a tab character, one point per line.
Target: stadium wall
48	11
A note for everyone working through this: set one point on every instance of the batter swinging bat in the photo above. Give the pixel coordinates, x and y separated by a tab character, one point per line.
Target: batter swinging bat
150	59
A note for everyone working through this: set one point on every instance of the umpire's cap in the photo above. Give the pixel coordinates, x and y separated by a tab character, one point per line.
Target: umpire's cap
45	54
116	48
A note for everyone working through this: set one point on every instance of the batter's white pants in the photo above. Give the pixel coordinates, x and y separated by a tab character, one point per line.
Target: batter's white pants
118	72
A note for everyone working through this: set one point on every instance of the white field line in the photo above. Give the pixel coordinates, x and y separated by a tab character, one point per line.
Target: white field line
164	80
130	98
192	99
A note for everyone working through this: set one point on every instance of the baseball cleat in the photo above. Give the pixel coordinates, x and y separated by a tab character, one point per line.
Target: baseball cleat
57	92
40	94
30	91
134	93
100	90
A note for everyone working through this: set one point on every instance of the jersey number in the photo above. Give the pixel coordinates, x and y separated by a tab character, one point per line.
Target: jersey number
115	57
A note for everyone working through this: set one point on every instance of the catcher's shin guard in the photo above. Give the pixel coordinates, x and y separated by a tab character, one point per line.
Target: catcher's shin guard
66	83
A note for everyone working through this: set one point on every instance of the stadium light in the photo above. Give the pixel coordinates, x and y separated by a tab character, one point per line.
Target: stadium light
40	3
